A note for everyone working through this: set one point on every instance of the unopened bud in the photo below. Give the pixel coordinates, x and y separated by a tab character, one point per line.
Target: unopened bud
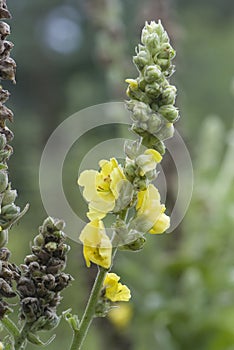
3	180
9	197
152	73
169	112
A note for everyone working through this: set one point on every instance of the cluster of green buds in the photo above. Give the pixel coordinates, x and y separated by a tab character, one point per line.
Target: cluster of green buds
42	278
152	97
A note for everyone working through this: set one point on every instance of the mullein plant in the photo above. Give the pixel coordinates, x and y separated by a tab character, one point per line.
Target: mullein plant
126	192
38	282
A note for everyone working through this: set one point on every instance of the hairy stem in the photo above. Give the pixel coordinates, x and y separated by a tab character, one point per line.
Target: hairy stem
79	335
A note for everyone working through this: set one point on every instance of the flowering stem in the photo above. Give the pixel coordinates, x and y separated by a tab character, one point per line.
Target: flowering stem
80	334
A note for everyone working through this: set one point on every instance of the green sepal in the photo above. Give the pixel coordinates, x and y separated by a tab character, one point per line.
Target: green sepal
11	327
8	224
72	320
34	339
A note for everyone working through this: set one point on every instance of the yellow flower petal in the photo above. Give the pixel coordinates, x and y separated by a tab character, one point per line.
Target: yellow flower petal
97	246
161	225
156	155
149	211
114	290
101	189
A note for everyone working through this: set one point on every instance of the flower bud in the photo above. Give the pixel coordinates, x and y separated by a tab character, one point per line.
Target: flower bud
154	89
3	180
141	112
168	95
51	246
169	112
134	242
155	123
3	141
10	211
165	132
129	172
131	149
59	224
152	73
9	196
166	51
140	184
141	59
3	238
39	240
162	62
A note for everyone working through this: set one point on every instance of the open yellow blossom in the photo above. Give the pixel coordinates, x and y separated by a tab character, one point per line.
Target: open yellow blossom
148	160
101	189
97	246
114	290
150	215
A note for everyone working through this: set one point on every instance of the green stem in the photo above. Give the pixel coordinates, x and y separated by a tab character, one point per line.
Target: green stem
79	335
21	339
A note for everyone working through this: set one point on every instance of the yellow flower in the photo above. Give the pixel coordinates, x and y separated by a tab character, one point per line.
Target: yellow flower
150	215
114	290
101	189
121	315
133	84
148	160
97	246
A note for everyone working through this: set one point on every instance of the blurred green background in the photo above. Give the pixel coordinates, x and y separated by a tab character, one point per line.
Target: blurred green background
76	53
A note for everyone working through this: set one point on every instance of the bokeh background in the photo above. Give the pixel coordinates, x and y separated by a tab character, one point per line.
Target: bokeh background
72	54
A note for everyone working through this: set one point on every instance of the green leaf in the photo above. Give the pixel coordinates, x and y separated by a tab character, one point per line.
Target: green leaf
73	320
34	339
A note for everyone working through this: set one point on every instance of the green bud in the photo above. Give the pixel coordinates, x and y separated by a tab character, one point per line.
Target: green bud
48	225
164	63
169	112
140	184
166	51
9	196
165	132
59	224
153	90
3	238
141	59
159	146
3	141
141	112
39	240
155	123
151	175
134	242
152	73
168	95
3	180
10	211
51	246
129	172
151	41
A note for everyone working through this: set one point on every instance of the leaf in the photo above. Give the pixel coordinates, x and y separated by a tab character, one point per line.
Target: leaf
10	326
34	339
73	320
